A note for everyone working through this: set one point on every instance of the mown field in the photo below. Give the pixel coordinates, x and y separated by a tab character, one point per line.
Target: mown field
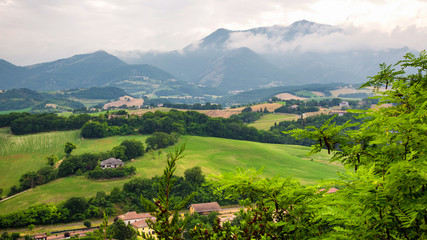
20	154
214	155
267	121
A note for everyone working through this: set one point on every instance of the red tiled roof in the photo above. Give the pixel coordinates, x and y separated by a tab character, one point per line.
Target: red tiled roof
206	207
331	190
134	215
140	224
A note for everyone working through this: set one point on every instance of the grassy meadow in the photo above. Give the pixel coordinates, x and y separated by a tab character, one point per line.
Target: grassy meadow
213	155
20	154
267	121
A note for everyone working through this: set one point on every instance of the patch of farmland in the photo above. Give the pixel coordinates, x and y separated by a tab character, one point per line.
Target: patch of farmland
125	100
347	90
288	96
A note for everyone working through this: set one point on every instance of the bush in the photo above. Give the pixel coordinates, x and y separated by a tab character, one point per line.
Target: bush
160	140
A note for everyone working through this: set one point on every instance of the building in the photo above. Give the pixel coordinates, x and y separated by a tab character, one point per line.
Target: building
204	208
40	236
142	227
344	104
132	217
339	112
112	163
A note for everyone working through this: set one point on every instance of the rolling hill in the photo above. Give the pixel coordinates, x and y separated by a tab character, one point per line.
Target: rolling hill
98	69
214	155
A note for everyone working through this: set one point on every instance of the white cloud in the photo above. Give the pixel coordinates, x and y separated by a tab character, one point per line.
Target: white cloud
352	39
43	30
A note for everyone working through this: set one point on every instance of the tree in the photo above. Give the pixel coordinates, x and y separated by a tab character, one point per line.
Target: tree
194	176
93	130
69	147
119	230
167	224
160	140
87	223
76	206
101	232
52	159
133	148
31	227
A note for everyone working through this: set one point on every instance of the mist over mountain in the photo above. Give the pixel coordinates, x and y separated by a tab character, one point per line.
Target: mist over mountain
301	53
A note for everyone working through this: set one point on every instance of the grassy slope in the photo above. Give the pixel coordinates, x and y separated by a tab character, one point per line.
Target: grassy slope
214	155
20	154
267	121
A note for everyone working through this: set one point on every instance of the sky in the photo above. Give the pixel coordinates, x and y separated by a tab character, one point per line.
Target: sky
34	31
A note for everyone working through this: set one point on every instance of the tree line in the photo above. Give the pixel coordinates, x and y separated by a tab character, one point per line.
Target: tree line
116	202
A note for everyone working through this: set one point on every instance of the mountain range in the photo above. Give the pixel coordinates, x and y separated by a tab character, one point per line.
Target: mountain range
224	61
98	69
268	56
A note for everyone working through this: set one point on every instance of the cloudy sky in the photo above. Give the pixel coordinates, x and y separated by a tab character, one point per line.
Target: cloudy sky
33	31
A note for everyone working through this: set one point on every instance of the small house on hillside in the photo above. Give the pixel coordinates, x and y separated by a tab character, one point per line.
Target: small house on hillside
204	208
132	217
112	163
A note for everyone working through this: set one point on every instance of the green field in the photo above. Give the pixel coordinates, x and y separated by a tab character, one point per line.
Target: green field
213	155
20	154
18	110
267	121
307	94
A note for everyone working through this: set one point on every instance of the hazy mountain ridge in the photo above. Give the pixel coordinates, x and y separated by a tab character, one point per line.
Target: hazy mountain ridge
280	49
98	69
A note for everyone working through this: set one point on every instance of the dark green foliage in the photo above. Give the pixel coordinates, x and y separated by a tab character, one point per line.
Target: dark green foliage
87	223
7	119
99	173
46	122
51	160
248	117
194	176
94	130
133	148
7	236
18	99
76	207
32	179
99	93
119	230
85	162
167	224
69	147
160	140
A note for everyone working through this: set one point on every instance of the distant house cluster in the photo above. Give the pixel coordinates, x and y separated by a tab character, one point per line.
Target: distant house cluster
139	220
